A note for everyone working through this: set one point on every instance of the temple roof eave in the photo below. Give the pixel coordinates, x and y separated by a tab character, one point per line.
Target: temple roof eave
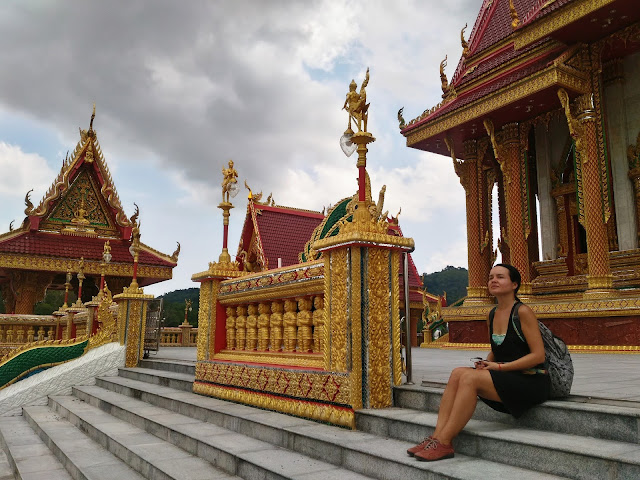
465	122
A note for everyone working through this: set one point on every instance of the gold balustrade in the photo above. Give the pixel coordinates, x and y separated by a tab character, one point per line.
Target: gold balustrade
19	330
178	336
282	331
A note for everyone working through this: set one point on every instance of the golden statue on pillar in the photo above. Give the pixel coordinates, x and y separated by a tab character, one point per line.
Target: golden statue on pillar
358	108
229	182
356	104
229	190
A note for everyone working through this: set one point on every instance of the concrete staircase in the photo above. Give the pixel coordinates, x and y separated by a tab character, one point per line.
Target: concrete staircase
146	423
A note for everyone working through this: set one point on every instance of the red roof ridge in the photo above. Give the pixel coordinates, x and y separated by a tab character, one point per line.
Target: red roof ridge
157	253
291	210
12	234
465	93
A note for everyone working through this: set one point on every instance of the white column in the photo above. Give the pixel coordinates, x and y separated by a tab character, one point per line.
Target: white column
548	219
616	120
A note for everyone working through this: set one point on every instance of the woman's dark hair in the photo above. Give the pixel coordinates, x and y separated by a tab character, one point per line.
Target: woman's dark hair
514	276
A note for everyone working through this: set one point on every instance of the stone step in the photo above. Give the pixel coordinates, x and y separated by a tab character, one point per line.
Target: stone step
179	381
362	452
612	420
82	457
149	455
176	366
228	450
564	454
27	454
6	472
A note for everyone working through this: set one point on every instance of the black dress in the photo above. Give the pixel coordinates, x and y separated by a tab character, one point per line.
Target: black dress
518	391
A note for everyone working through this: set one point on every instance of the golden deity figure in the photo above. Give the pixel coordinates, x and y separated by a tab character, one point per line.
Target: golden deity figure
230	177
241	327
357	106
231	328
318	324
263	326
252	327
305	321
79	216
290	320
275	322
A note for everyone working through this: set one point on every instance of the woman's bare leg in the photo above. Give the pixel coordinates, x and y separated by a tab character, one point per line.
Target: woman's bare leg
472	382
448	398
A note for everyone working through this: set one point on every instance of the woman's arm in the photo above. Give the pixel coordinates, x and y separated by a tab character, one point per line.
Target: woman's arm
531	331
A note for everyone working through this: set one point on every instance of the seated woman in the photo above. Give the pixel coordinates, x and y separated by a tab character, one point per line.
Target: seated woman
512	379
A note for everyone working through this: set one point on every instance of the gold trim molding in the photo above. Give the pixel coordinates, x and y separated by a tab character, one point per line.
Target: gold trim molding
308	360
555	21
331	414
611	307
49	264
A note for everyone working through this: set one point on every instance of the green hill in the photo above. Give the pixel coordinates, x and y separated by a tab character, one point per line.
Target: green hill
453	280
174	304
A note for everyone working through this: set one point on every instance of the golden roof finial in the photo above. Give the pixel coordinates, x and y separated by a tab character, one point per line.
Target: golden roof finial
464	43
448	92
93	115
514	15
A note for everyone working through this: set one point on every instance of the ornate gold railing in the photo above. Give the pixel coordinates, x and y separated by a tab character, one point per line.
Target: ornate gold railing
274	317
18	330
182	336
32	342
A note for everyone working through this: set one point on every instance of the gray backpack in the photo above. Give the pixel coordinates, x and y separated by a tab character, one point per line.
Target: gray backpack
557	359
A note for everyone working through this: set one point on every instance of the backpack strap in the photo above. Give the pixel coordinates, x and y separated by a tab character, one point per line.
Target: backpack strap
492	314
515	320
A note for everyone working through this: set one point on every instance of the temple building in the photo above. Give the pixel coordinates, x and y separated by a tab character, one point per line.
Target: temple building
543	108
276	236
64	237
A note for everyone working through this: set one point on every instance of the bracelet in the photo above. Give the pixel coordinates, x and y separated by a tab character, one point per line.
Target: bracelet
499	366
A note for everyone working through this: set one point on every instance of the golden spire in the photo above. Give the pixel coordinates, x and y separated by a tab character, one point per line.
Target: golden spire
514	15
464	43
93	115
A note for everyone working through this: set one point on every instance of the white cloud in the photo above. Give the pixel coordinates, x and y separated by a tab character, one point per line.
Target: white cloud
22	171
183	87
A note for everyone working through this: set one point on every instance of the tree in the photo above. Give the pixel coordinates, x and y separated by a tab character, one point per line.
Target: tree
174	304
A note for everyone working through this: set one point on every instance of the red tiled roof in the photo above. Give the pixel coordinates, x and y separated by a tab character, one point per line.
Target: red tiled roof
415	280
500	57
493	23
65	246
490	87
538	12
284	232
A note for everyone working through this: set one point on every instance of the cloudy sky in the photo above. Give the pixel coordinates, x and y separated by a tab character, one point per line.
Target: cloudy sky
182	87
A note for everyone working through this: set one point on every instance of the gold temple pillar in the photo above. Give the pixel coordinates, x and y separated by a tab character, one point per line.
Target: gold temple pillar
132	315
479	237
362	303
507	150
519	249
28	288
582	126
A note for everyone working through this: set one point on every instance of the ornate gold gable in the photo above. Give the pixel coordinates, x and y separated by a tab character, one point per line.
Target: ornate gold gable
83	199
81	209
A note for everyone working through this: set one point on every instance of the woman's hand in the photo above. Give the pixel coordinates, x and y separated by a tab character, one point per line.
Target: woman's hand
487	365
